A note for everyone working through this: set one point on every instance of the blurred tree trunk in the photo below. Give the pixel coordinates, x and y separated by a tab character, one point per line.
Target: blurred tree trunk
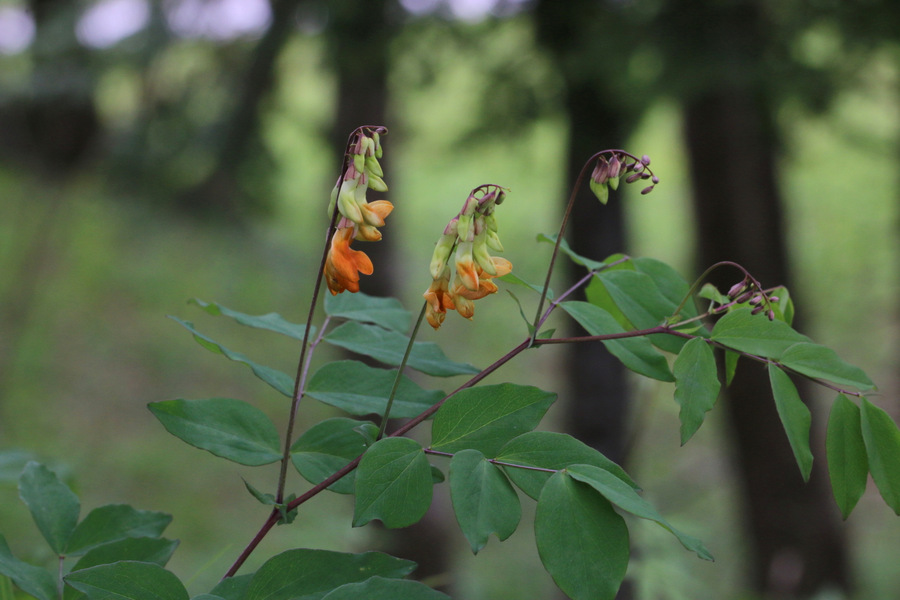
358	35
797	548
598	402
219	193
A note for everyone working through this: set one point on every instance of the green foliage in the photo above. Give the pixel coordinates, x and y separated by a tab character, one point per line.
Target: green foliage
484	501
393	484
485	418
640	309
696	385
226	427
848	464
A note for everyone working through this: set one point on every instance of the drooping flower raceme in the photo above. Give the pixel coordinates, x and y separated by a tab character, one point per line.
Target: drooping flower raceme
468	237
359	218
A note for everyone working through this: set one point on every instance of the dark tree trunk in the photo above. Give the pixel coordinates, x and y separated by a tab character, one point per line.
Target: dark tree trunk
598	402
797	548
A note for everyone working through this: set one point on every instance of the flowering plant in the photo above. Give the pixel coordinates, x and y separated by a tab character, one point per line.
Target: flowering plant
482	436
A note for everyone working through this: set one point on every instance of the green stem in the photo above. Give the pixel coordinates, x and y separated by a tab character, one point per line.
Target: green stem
399	377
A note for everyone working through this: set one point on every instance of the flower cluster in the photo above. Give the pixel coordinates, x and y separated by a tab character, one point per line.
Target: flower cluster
472	233
359	218
607	172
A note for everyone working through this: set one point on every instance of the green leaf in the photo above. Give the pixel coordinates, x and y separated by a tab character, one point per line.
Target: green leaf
636	353
755	334
390	346
393	483
359	389
30	579
280	381
115	522
731	363
483	499
269	322
229	428
711	292
668	281
379	588
882	438
53	506
590	264
696	385
642	303
551	451
304	574
233	588
848	465
327	447
129	580
386	312
582	541
148	550
795	417
486	417
623	495
820	362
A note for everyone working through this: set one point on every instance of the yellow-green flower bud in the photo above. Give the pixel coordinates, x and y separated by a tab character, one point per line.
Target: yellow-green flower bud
376	137
493	241
376	182
465	229
334	196
373	167
441	253
482	256
347	203
359	162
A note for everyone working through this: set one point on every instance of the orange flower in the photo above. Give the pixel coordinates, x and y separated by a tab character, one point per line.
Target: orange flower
460	298
343	264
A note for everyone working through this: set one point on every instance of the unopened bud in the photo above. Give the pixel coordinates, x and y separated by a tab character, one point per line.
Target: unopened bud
736	289
645	160
601	171
771	315
638	167
632	178
757	310
441	253
615	167
655	180
646	190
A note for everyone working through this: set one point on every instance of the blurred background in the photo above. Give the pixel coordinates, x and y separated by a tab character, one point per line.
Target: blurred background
156	151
